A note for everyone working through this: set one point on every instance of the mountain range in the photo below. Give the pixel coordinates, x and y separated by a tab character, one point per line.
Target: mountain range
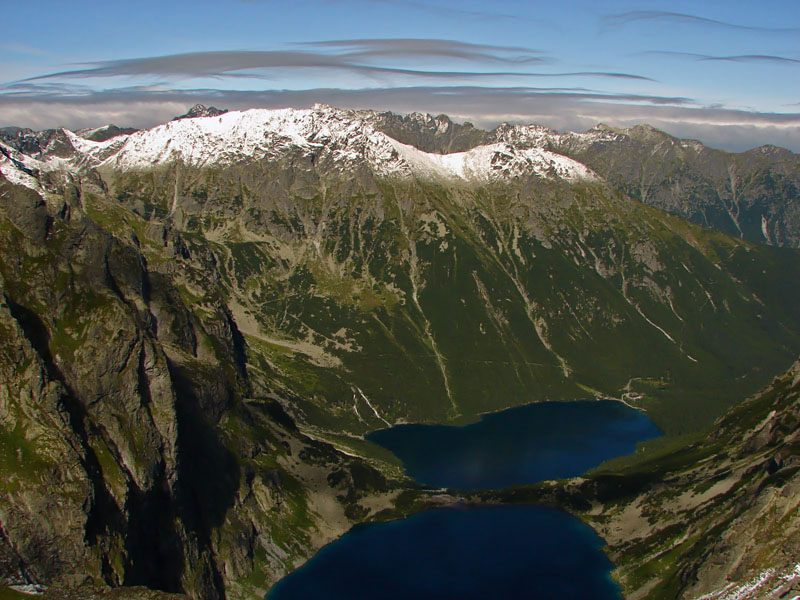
752	195
202	320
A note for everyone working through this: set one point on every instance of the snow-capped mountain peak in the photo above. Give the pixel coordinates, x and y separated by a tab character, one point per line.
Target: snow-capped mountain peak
344	140
229	137
342	136
486	163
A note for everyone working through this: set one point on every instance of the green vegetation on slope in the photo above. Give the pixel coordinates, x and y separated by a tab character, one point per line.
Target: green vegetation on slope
207	348
393	301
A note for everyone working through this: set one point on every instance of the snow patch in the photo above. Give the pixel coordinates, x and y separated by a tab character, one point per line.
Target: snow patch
375	412
483	163
16	175
32	589
26	165
765	229
86	146
754	589
18	168
740	592
794	573
230	137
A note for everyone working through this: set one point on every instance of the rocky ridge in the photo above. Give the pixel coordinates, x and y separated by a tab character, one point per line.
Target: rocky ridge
750	195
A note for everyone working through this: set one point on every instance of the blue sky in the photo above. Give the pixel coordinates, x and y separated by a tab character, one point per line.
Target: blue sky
727	73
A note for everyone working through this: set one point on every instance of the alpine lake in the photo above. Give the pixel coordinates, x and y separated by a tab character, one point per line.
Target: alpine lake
498	552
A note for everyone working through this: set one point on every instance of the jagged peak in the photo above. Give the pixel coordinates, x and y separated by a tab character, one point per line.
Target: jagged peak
526	135
104	133
199	110
646	132
604	128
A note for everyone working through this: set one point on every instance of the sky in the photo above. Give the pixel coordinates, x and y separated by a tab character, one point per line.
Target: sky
726	73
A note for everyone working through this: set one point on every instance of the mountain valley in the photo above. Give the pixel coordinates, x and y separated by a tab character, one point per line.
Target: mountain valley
202	321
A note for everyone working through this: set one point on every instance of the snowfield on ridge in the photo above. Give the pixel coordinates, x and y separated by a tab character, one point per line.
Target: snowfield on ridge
258	133
340	139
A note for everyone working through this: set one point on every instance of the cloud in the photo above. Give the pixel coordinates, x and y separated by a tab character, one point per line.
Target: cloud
257	64
367	48
42	89
574	109
740	58
683	18
57	94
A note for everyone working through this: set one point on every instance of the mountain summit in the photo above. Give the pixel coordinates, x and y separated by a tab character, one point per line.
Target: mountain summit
198	110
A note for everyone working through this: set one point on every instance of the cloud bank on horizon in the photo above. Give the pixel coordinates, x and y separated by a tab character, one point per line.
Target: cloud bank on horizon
728	76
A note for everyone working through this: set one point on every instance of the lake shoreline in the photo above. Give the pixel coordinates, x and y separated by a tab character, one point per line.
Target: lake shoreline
588	431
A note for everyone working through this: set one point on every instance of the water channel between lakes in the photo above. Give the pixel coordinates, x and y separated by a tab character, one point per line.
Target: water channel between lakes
499	552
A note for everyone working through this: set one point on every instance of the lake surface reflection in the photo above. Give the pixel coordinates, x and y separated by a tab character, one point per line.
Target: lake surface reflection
548	440
498	553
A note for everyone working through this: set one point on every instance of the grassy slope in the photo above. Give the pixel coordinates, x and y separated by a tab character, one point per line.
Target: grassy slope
525	294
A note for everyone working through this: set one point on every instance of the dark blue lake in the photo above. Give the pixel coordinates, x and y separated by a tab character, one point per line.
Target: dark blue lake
548	440
502	553
498	553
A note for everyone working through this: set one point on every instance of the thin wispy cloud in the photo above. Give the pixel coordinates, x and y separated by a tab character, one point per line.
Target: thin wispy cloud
740	58
258	64
637	16
50	94
431	48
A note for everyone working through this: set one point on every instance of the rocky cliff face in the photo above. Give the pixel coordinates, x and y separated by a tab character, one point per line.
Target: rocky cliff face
132	451
431	134
201	321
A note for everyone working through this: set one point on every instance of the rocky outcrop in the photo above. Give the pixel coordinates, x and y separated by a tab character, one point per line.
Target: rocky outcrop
131	449
432	134
198	110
